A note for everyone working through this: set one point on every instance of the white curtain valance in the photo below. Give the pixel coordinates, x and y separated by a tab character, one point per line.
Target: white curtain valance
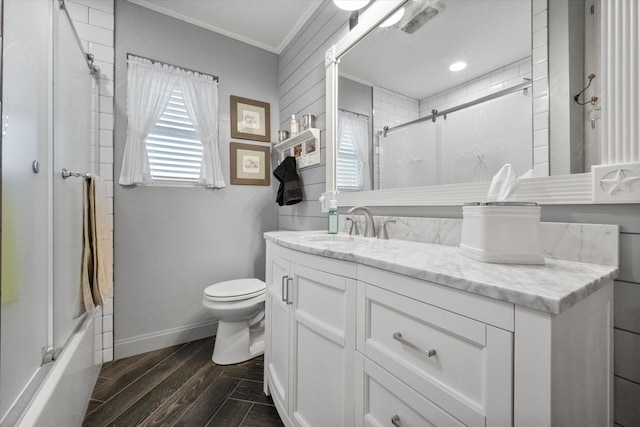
201	100
148	93
162	67
149	88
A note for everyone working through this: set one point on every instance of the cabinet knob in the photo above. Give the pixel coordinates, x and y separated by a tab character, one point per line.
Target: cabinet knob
395	420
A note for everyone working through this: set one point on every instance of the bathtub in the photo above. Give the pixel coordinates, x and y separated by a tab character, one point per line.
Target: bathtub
62	398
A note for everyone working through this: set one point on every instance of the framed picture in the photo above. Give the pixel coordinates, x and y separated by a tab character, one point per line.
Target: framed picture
250	164
250	119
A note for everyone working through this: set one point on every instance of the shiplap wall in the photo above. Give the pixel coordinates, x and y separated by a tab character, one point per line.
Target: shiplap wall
302	90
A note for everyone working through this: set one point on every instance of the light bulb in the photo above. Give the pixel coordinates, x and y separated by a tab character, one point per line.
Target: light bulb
351	4
458	66
393	19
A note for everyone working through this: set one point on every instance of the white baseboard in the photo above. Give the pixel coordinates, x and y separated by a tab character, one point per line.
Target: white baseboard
161	339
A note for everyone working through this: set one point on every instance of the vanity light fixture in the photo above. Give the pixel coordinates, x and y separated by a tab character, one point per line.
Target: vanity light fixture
351	4
458	66
393	19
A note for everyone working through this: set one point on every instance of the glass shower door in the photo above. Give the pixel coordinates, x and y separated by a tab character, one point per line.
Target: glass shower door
48	105
74	148
26	203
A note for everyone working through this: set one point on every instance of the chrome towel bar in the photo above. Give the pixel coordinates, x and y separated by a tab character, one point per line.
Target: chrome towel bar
66	173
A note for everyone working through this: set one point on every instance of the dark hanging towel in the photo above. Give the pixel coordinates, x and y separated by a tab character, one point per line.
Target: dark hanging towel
289	192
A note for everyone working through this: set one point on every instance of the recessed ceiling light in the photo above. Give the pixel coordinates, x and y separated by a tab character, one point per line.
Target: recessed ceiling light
457	66
393	19
351	4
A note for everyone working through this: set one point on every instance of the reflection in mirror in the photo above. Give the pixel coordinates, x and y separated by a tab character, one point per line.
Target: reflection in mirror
355	110
431	125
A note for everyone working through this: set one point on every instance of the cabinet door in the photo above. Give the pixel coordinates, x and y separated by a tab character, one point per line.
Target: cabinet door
277	349
323	347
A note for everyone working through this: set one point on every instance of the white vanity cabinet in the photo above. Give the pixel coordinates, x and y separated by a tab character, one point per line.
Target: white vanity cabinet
361	345
310	338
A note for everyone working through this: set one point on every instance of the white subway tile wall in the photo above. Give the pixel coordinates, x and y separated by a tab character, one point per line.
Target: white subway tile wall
540	87
94	21
503	78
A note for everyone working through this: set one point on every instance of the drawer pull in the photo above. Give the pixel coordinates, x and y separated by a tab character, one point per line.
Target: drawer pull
395	420
284	279
398	337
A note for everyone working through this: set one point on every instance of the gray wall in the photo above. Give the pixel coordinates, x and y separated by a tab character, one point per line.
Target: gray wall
302	84
172	242
567	77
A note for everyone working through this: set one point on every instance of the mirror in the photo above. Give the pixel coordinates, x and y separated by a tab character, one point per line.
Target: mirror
405	120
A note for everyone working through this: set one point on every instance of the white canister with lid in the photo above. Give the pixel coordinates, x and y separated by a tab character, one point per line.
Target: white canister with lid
502	232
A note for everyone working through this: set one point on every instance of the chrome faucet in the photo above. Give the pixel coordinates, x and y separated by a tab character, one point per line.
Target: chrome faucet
383	233
353	230
369	225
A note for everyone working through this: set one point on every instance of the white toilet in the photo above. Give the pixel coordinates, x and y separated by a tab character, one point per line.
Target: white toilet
239	306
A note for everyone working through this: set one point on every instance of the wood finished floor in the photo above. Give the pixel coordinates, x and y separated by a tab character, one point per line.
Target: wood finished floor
180	386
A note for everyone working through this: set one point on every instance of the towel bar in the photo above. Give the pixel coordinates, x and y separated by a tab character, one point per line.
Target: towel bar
66	173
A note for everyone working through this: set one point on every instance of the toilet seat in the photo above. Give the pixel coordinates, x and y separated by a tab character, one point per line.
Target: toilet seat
235	290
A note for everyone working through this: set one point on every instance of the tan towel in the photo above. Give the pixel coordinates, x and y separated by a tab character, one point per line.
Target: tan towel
97	247
101	241
86	273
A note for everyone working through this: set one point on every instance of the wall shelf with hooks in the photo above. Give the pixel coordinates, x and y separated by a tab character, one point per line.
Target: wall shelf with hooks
305	147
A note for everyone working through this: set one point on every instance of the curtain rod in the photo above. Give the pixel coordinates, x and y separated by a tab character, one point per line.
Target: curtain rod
216	78
435	113
353	112
88	57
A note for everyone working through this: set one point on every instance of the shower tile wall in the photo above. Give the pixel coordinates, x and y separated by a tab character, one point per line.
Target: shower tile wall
511	75
540	62
508	76
94	21
502	78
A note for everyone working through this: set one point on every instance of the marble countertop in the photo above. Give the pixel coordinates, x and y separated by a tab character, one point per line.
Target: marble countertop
552	287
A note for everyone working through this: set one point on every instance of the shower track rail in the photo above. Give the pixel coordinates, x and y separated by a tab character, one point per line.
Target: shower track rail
93	69
435	113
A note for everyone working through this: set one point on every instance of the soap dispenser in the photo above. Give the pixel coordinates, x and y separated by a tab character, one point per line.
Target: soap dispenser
332	223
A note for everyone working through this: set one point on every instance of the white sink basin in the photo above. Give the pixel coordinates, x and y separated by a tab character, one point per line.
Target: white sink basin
332	238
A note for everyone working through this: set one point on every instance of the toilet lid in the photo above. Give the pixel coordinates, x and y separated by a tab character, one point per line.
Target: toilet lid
234	290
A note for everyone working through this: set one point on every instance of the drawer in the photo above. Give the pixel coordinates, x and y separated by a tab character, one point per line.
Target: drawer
469	372
481	308
388	402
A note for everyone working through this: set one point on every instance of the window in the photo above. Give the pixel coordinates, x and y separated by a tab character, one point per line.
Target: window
348	167
173	149
172	126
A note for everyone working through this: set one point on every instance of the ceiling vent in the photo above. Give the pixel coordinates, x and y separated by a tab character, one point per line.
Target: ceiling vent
419	13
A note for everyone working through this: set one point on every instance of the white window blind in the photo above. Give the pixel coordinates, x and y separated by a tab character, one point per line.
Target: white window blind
348	166
173	149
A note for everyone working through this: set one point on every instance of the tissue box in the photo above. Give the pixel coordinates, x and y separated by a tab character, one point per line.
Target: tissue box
502	232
